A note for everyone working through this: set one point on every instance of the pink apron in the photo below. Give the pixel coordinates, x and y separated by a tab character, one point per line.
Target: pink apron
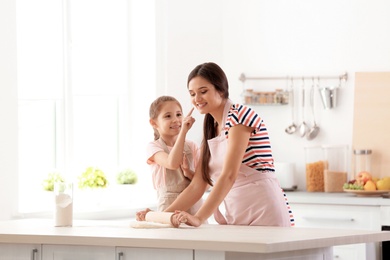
255	198
175	183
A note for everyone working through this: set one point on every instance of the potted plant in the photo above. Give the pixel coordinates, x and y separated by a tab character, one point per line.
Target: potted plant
127	176
91	185
92	178
53	177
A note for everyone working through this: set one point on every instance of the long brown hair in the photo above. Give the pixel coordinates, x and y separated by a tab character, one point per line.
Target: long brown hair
216	76
155	109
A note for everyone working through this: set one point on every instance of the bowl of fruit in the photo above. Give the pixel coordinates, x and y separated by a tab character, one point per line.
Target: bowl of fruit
365	184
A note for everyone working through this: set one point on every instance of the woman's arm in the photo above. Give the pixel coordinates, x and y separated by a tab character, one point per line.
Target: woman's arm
238	143
190	195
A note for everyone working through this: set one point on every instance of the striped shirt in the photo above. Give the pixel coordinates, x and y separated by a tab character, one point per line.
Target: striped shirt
258	154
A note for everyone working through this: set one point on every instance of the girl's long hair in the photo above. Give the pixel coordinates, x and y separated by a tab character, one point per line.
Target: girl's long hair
216	76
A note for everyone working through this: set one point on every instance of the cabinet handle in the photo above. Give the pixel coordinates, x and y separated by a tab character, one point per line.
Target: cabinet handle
120	255
34	252
328	219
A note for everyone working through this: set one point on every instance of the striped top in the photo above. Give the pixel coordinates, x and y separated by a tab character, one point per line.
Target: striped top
258	154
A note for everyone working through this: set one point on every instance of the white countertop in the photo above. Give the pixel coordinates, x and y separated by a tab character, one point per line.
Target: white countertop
207	237
342	198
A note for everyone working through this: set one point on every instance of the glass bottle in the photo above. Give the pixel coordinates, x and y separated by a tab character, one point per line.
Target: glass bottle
362	161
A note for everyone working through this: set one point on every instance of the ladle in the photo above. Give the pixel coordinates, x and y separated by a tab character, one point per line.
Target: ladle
291	128
313	132
303	128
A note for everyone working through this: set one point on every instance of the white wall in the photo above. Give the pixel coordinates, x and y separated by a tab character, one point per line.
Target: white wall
8	110
189	33
278	38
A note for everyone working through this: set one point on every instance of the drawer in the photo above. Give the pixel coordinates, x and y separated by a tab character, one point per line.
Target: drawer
337	216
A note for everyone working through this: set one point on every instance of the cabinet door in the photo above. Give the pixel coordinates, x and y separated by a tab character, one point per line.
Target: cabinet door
337	216
20	252
342	216
128	253
58	252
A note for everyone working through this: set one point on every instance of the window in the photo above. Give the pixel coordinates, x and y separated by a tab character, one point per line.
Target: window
76	101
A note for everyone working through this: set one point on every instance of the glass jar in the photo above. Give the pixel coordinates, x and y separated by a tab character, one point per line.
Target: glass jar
248	96
326	168
337	173
315	166
362	161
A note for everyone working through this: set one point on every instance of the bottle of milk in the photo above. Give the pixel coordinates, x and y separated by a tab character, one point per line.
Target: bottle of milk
63	213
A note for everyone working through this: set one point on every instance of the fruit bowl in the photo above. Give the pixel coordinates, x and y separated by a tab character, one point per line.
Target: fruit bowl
368	193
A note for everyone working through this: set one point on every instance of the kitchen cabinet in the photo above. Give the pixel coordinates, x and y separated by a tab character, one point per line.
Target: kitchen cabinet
343	217
20	252
65	252
127	253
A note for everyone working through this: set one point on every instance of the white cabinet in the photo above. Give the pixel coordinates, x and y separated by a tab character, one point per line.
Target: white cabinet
20	252
62	252
343	217
128	253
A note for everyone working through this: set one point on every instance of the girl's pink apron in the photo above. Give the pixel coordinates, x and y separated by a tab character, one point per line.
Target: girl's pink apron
175	183
255	198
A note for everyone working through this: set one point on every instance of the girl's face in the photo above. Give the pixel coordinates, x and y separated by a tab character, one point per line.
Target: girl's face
168	121
204	96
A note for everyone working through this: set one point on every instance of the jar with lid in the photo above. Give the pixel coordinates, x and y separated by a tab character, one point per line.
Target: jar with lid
361	161
248	96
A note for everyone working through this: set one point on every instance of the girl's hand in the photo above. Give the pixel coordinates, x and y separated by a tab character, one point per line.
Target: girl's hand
140	215
186	169
184	217
188	121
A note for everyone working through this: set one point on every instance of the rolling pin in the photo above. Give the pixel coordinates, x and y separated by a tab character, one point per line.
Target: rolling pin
159	217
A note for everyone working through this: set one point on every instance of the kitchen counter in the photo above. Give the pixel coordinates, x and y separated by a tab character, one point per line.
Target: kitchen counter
342	198
259	240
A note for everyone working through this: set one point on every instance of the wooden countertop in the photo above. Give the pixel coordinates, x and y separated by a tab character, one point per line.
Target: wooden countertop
206	237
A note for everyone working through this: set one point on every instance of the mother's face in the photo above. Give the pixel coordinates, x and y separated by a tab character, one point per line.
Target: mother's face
204	96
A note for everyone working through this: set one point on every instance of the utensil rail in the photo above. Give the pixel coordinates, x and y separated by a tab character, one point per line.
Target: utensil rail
342	77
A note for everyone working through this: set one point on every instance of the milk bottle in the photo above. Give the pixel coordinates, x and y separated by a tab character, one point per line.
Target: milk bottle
63	213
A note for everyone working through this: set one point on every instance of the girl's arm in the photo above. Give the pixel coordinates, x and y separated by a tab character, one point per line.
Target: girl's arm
238	142
186	168
174	159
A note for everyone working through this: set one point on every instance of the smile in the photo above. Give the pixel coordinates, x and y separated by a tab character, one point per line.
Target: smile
201	105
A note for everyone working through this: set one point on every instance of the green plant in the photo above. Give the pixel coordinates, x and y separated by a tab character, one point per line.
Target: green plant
127	176
92	177
48	183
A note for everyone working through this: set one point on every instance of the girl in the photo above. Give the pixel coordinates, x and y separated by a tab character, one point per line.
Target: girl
171	157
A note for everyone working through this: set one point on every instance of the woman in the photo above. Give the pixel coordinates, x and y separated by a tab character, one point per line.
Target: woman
235	159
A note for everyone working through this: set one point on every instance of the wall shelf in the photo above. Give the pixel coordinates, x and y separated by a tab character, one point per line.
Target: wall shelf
278	96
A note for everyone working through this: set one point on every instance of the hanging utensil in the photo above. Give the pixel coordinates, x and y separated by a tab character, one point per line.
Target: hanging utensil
291	128
313	132
303	128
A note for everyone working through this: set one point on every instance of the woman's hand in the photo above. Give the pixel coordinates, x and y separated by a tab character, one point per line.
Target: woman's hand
140	215
184	217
